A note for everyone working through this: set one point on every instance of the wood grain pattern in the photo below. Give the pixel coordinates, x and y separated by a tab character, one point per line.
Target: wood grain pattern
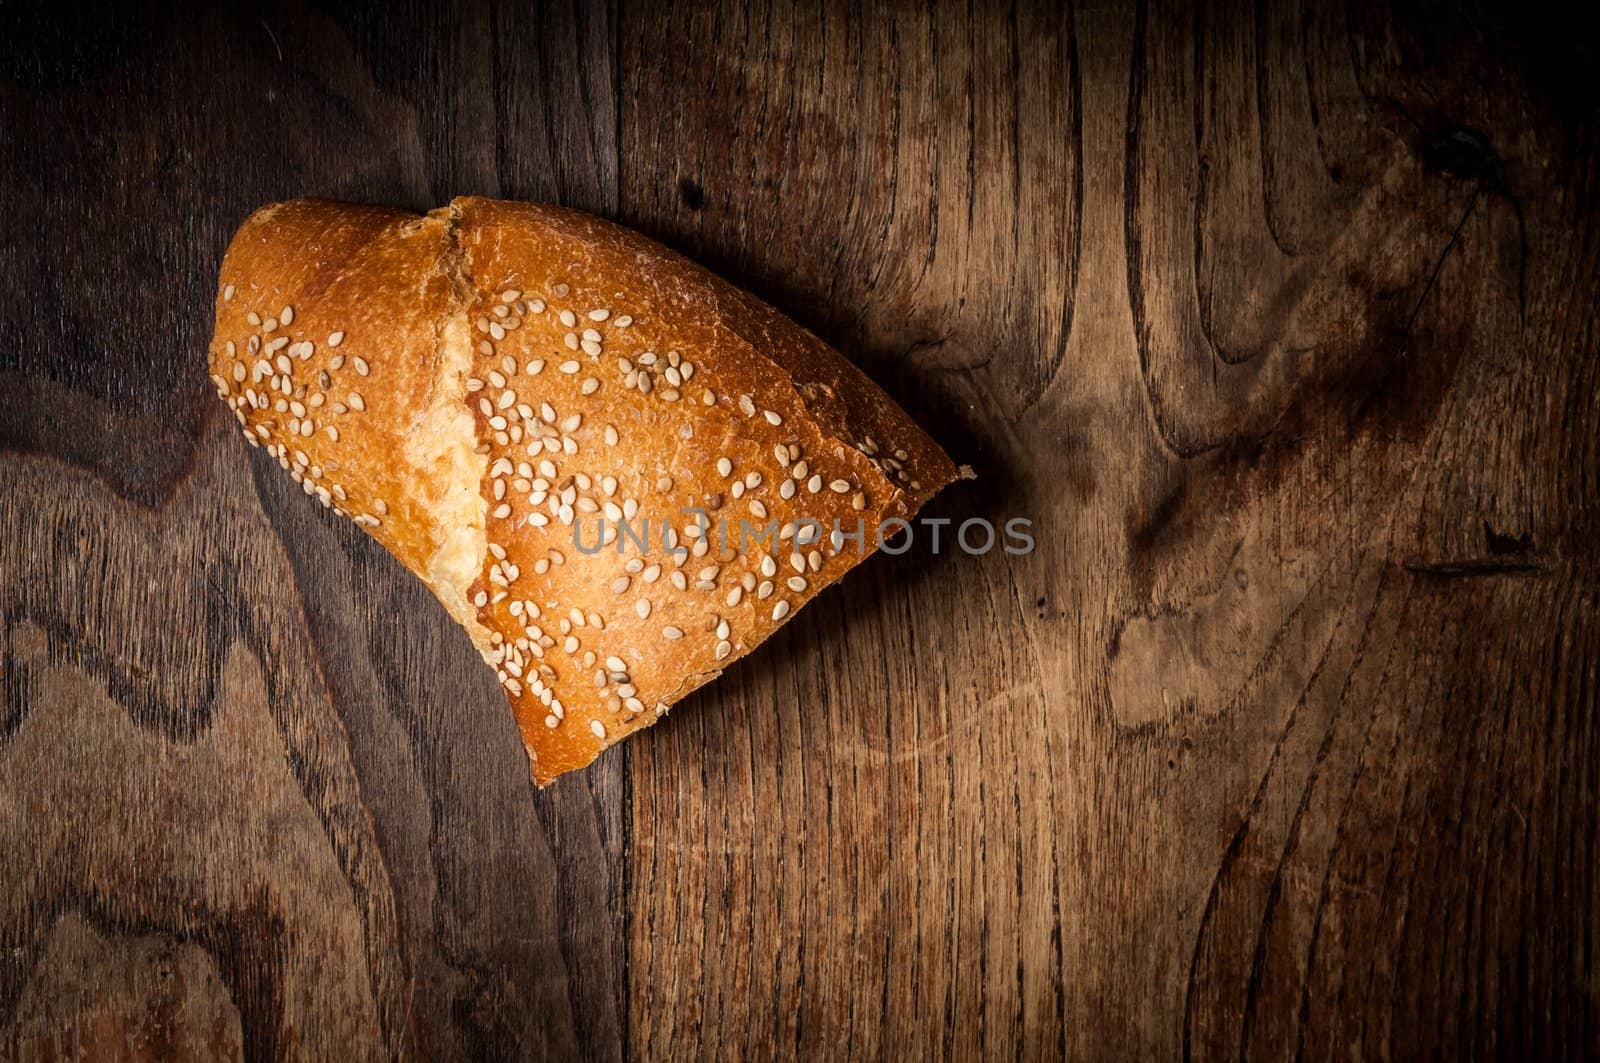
1277	320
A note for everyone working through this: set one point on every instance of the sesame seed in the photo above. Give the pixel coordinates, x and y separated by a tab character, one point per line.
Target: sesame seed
796	583
535	367
591	335
591	348
335	339
839	487
746	406
568	318
858	501
786	489
723	649
502	511
568	367
599	315
357	402
780	610
590	386
227	293
253	317
772	418
287	317
724	466
672	633
598	728
361	365
734	596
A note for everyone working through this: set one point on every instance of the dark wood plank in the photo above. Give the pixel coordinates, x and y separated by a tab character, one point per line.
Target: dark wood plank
238	738
1282	741
1275	319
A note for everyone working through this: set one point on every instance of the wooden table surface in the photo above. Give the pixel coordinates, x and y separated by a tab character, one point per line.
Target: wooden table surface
1277	321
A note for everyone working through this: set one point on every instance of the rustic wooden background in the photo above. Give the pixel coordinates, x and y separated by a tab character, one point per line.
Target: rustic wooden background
1279	322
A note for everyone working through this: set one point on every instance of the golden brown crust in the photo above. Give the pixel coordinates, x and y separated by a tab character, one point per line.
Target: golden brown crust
511	375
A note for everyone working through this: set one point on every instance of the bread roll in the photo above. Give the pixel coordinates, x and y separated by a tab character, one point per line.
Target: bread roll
475	385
